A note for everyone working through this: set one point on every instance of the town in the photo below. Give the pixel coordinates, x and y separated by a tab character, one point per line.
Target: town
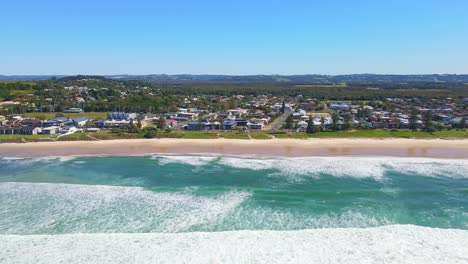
59	109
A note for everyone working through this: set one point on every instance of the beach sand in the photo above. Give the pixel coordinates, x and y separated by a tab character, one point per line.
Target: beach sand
430	148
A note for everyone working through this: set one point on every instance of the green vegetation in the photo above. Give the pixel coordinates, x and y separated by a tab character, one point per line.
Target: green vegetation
105	135
235	135
47	115
260	135
22	138
391	134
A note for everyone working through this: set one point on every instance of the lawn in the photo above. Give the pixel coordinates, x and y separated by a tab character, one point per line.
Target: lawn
260	135
235	135
105	135
390	134
22	138
193	134
293	135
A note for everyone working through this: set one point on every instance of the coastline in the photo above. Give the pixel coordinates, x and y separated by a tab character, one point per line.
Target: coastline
353	147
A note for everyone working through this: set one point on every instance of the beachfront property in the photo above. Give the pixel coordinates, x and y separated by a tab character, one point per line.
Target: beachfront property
80	121
247	112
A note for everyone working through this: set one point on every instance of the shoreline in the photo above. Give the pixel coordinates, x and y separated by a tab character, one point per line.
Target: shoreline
334	147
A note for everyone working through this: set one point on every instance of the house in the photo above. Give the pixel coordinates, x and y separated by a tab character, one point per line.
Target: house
443	118
195	126
170	123
121	116
225	115
32	122
342	106
92	129
58	121
212	125
80	121
311	105
189	116
241	122
23	130
170	115
52	130
69	129
229	124
255	126
74	110
302	125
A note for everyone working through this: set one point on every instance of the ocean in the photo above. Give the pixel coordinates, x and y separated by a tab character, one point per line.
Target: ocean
220	209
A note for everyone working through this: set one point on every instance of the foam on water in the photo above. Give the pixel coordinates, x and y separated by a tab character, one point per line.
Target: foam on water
42	208
352	167
390	244
190	160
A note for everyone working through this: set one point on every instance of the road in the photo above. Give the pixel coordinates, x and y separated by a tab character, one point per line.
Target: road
280	120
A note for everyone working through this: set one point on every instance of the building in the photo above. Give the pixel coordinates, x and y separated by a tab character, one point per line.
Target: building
170	123
58	121
74	110
52	130
255	126
32	122
121	116
229	124
80	121
195	126
22	130
342	106
241	122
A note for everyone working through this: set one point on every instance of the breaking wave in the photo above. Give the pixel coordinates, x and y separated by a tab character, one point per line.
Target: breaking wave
390	244
358	167
40	208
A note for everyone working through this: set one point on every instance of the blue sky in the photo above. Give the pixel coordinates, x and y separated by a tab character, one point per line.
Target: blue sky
233	37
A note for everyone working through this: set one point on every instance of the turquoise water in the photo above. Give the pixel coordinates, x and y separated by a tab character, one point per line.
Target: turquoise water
173	194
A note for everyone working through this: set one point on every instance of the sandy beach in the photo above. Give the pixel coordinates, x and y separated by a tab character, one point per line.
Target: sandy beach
430	148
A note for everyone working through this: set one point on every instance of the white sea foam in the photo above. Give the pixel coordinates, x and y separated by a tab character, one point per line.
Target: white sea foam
390	244
190	160
38	208
352	167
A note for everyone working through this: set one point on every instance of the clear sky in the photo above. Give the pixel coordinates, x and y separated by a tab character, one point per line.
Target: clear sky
233	37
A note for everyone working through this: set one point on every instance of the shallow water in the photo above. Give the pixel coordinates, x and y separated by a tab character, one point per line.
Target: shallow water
44	198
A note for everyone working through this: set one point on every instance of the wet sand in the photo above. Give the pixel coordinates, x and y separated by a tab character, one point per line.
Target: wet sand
428	148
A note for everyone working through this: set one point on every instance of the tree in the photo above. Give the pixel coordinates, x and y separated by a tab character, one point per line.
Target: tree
161	122
413	122
347	121
139	125
289	122
310	126
429	127
335	120
462	124
283	107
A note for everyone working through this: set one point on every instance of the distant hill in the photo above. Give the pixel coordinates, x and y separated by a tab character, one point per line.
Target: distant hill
28	77
312	78
291	79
